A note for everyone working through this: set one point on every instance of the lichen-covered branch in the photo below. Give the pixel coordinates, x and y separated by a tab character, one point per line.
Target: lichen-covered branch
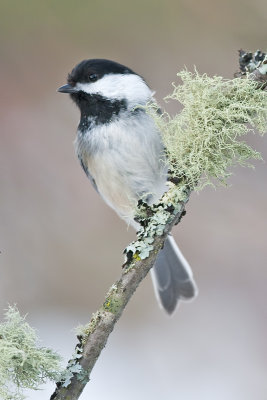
140	256
202	143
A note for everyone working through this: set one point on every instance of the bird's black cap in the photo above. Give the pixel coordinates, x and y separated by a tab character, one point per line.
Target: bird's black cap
91	70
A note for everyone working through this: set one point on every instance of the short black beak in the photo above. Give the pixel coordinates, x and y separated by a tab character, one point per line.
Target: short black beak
67	89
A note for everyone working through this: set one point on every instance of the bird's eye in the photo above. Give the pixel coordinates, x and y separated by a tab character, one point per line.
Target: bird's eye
93	77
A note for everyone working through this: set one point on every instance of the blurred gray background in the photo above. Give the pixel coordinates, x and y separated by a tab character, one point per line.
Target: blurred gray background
61	246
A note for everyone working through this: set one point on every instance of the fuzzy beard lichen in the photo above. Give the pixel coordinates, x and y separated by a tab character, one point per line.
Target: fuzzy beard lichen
203	141
23	365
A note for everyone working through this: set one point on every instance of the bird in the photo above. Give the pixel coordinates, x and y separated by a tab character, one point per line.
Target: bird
121	151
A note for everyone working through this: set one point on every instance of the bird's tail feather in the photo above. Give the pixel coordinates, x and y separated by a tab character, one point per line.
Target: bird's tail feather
172	276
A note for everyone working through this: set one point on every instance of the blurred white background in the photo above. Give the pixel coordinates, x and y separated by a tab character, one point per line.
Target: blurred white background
61	246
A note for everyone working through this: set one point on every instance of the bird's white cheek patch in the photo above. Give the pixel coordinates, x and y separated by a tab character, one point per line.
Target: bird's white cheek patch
118	86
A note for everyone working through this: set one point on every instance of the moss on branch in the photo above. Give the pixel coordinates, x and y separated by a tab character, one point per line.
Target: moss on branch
23	363
204	141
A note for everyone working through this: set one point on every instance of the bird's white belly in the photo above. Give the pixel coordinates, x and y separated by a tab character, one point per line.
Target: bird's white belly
125	159
112	186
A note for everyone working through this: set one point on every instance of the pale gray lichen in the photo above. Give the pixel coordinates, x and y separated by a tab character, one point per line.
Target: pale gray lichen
141	248
73	368
160	214
23	364
203	141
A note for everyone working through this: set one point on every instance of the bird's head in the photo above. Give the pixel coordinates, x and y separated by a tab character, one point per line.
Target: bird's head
108	80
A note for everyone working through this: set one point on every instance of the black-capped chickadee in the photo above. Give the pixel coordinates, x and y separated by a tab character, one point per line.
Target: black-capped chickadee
121	151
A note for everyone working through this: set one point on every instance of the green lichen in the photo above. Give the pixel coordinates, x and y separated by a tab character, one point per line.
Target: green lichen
112	304
85	330
113	301
204	140
23	364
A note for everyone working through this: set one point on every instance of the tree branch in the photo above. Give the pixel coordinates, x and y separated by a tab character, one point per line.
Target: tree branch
94	336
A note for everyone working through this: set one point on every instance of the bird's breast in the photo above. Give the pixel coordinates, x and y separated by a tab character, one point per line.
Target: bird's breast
126	160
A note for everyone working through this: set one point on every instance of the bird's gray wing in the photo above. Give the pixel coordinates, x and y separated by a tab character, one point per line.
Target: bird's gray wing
86	170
